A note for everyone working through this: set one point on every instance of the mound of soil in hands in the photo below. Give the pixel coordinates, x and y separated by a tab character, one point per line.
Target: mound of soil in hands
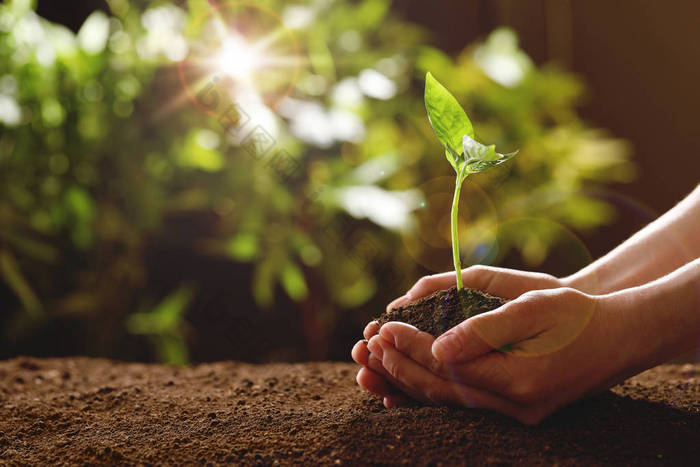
85	411
443	310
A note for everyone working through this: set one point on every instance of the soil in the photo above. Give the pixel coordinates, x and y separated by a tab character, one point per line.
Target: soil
442	310
87	411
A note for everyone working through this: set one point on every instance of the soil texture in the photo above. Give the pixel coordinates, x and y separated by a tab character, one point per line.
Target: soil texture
87	411
443	310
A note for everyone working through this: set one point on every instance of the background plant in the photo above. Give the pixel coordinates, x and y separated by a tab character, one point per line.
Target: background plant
118	196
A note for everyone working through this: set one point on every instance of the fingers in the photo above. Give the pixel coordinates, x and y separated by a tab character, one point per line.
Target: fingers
431	388
370	379
413	343
506	283
481	334
402	300
476	277
370	330
429	284
464	342
378	346
375	346
487	372
483	383
360	353
372	382
395	400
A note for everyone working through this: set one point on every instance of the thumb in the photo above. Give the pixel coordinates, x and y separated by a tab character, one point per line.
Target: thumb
486	332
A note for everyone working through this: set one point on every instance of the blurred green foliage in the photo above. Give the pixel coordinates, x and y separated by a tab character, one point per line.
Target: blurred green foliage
99	147
163	325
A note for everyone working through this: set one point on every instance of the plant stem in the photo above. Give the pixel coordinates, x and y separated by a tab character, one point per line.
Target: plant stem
455	233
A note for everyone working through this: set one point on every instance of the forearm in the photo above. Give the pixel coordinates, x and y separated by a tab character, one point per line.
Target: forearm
658	249
663	316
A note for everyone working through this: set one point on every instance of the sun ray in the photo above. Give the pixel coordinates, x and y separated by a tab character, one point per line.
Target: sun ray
272	37
219	26
263	59
283	61
237	58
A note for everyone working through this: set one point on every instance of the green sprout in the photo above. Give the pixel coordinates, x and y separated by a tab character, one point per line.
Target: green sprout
466	155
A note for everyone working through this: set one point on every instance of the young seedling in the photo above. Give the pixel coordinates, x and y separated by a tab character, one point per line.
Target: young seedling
466	155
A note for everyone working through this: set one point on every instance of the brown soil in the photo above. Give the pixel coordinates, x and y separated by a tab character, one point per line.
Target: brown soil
85	411
443	309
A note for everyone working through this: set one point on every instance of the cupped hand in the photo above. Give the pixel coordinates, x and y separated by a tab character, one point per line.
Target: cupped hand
502	282
560	345
506	283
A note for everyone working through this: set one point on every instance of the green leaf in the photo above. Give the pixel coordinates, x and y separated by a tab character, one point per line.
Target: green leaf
12	274
263	284
452	159
80	203
447	117
356	293
373	12
293	281
480	157
171	350
243	247
200	151
165	318
321	56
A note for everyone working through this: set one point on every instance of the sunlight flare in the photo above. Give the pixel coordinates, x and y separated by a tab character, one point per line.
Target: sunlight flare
238	59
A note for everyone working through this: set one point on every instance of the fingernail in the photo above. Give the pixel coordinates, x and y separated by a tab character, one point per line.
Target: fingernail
447	346
375	349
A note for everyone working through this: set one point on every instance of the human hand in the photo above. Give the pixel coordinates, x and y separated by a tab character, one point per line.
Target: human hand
563	345
501	282
506	283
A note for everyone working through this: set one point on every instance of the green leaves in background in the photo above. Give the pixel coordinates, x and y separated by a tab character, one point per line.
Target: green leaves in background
12	275
101	159
164	326
243	247
293	281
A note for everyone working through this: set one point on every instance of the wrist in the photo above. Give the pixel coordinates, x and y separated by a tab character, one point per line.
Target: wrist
631	325
661	319
583	281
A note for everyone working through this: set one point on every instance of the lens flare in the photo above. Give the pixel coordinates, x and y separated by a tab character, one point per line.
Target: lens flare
238	59
239	49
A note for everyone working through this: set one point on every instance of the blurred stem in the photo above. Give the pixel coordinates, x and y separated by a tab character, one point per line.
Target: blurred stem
10	271
455	218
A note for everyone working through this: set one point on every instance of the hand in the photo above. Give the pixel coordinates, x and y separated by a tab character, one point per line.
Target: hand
502	282
563	345
506	283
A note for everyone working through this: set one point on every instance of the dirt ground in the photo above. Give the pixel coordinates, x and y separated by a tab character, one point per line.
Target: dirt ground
102	412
